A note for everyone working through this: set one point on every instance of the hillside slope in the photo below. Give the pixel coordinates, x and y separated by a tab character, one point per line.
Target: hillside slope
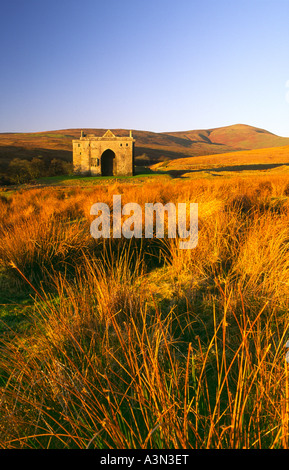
274	158
151	147
238	136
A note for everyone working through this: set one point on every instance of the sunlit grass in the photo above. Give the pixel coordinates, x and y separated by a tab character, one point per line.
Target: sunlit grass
136	343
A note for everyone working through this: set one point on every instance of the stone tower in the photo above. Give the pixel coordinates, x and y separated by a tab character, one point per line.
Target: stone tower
103	156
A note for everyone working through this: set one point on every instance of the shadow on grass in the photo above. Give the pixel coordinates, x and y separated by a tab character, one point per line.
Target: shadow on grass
20	288
234	168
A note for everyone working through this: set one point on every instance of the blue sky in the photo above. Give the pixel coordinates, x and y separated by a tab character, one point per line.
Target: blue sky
157	65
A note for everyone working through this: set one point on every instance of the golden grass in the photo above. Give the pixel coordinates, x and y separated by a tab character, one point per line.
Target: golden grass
137	344
274	155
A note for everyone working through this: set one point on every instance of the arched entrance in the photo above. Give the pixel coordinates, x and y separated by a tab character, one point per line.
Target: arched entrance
107	163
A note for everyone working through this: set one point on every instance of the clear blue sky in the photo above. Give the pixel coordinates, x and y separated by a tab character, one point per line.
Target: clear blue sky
158	65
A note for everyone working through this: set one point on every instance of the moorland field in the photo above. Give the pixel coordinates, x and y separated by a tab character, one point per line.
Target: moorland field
135	343
150	147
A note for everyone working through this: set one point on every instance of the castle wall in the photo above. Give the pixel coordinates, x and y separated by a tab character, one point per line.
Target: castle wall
81	157
88	151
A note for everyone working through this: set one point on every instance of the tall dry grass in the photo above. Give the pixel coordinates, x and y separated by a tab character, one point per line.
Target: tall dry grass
138	344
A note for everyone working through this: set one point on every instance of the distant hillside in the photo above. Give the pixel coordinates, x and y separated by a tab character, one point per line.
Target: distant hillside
237	137
150	147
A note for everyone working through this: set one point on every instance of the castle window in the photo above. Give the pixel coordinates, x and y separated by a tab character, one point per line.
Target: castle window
78	145
94	161
120	145
127	145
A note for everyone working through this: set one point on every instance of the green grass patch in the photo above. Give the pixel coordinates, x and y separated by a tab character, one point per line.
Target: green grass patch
88	180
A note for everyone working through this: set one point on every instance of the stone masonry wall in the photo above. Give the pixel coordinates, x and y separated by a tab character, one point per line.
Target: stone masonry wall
88	152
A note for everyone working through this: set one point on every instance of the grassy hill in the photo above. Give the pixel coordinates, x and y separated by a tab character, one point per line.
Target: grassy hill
150	147
237	137
246	160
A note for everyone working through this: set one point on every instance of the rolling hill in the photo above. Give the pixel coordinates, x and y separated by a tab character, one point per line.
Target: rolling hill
150	147
238	137
262	159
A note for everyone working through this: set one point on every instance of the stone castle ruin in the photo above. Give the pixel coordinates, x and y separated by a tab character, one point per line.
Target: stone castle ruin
103	156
